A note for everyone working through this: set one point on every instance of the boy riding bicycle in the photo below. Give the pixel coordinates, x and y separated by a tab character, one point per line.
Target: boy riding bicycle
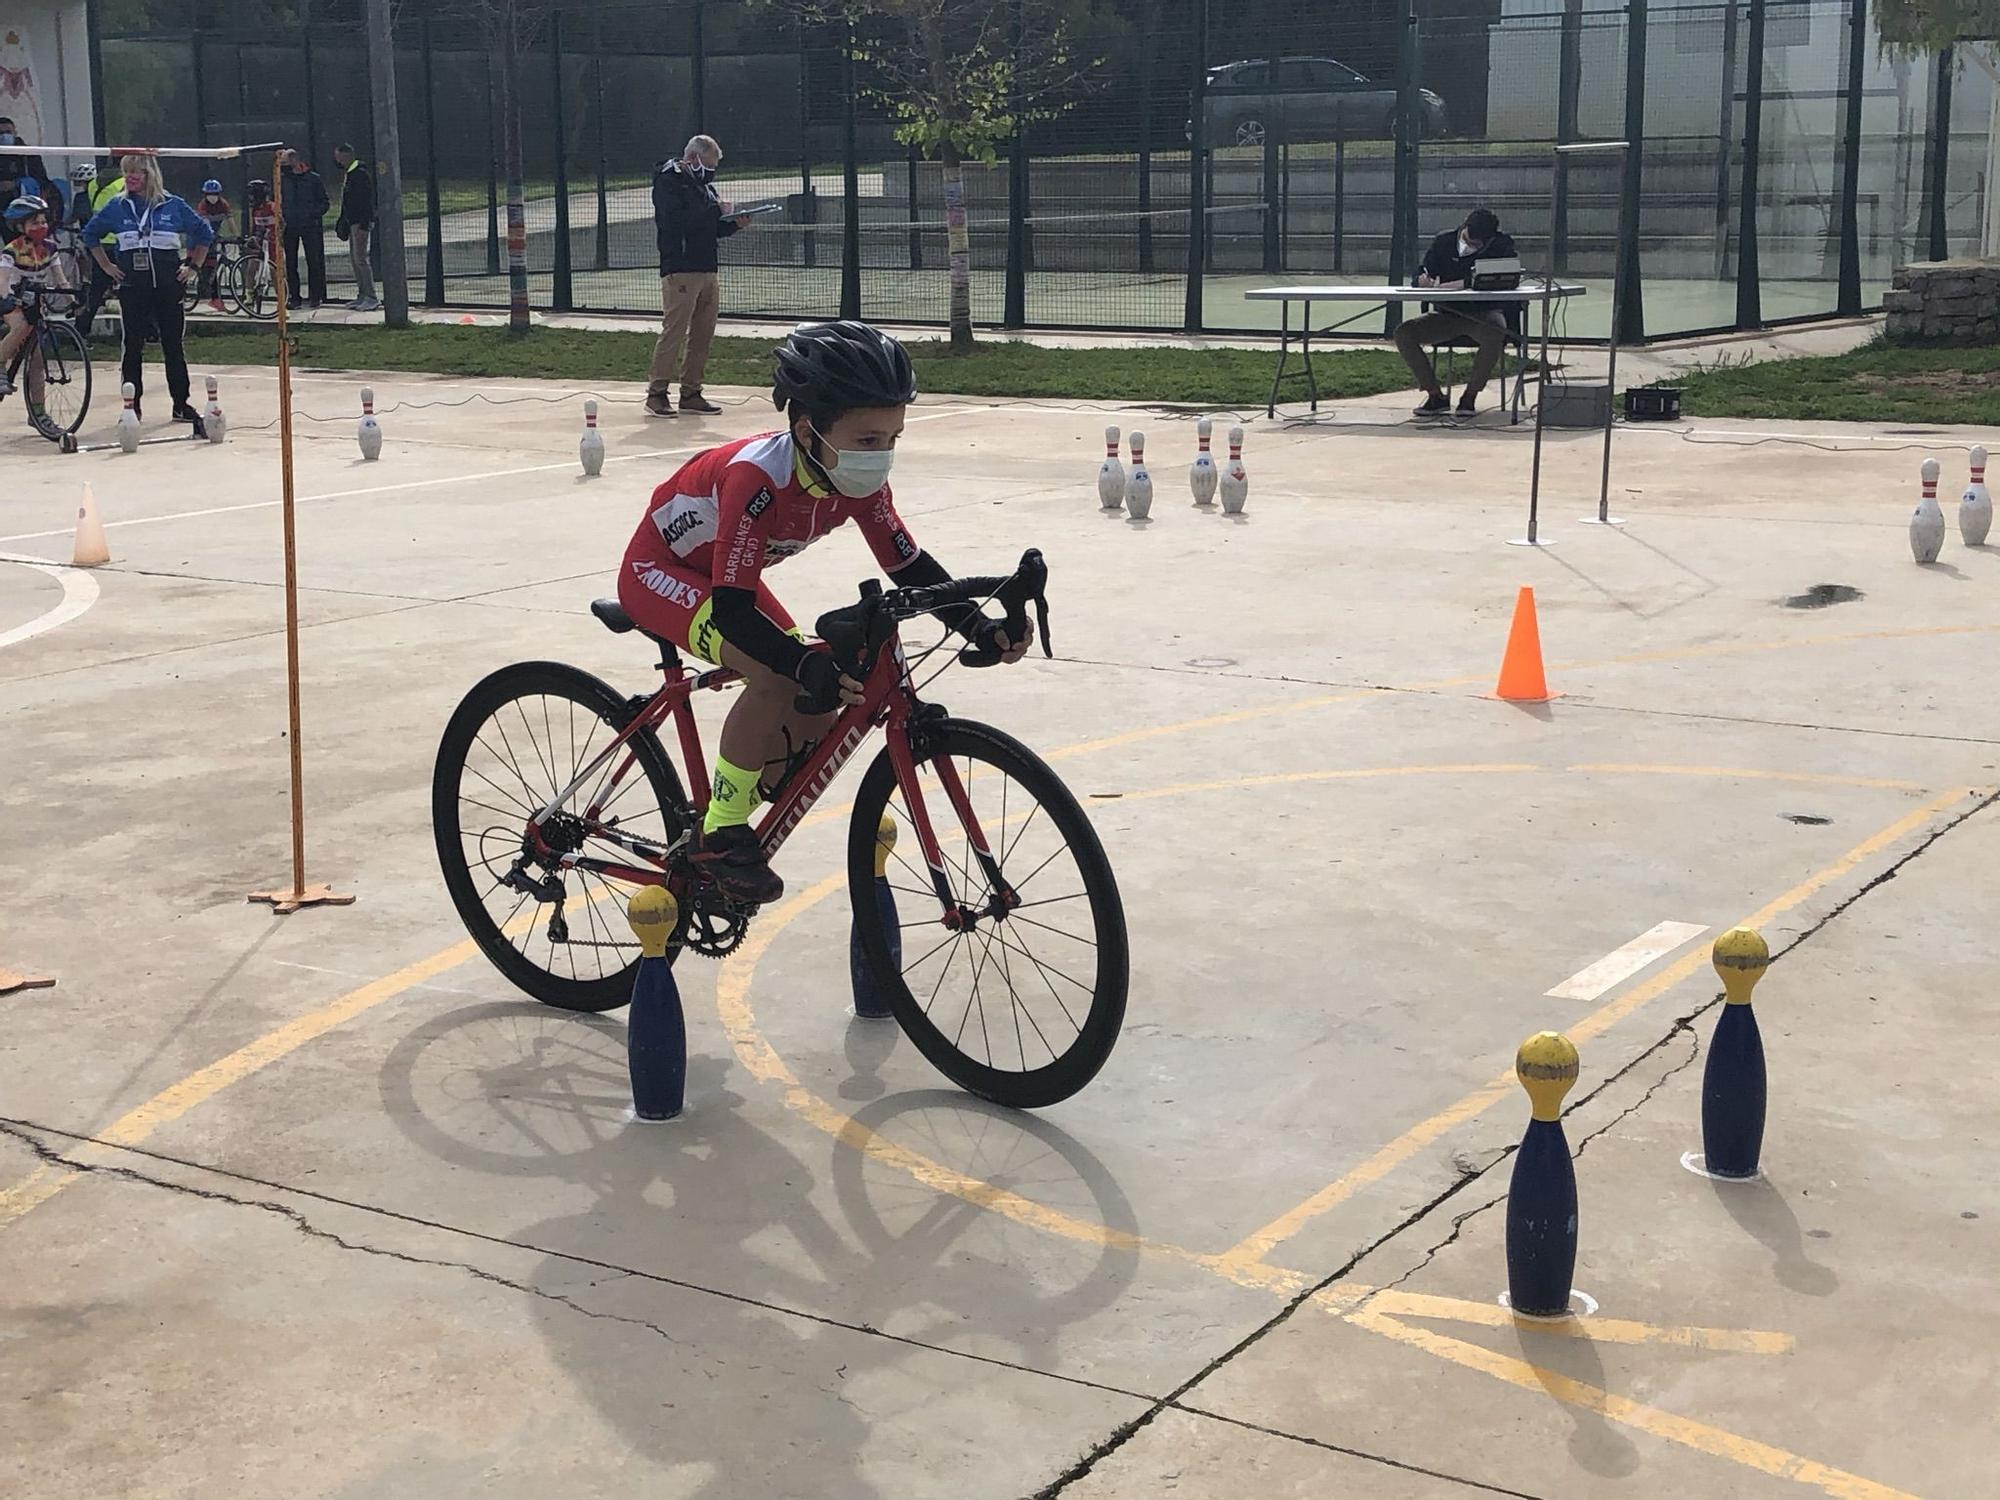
693	572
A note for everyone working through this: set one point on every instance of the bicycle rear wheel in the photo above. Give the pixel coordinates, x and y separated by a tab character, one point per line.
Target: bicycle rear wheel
65	379
1022	1001
516	740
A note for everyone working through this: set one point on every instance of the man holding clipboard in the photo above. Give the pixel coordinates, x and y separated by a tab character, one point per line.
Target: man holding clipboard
689	220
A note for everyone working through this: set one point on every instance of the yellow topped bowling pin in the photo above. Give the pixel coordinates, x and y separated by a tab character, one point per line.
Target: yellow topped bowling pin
1547	1066
1741	956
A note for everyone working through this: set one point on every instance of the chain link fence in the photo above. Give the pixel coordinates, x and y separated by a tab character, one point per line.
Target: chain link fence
1784	165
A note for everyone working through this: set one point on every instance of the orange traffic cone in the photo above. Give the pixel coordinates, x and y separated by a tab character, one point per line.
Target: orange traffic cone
1521	677
466	320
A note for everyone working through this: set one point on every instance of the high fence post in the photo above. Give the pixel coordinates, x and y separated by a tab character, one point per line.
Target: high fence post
601	258
1403	212
1014	301
1274	123
1749	295
1146	137
1631	307
492	176
1340	199
808	241
910	210
199	81
1197	230
1940	160
312	110
1569	80
433	211
1849	304
1725	137
850	228
698	68
562	291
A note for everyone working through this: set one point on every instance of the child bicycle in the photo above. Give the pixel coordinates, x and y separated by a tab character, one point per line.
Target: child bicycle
1017	988
51	370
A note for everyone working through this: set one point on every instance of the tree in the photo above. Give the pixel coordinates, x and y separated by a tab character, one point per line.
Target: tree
1911	28
389	154
510	25
959	77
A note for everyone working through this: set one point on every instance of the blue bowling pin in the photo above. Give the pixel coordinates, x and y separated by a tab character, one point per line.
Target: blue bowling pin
1541	1198
1732	1080
869	1001
655	1031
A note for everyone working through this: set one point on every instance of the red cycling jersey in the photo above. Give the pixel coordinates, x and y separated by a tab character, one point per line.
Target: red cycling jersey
725	516
733	510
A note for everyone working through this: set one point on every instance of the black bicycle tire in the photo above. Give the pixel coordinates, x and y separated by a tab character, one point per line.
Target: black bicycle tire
60	329
604	992
1082	1060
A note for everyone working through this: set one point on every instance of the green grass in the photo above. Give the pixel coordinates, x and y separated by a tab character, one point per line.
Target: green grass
1211	377
1877	383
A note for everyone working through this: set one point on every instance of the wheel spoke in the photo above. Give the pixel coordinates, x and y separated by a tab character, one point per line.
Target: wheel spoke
1043	970
1015	916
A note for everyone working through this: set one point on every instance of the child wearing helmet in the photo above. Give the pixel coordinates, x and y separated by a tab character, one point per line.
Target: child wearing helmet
218	214
694	571
27	259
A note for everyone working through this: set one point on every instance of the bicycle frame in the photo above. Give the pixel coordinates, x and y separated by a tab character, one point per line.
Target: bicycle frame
888	699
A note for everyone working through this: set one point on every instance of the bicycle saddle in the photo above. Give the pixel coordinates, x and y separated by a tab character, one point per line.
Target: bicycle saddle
611	614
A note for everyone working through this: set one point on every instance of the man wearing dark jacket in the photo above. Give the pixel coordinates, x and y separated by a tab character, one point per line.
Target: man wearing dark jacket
302	196
1448	267
356	223
23	173
689	219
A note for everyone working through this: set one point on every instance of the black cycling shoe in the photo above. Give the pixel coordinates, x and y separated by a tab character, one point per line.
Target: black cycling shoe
734	861
1435	406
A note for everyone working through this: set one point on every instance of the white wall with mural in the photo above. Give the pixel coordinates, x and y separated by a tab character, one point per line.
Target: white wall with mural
45	72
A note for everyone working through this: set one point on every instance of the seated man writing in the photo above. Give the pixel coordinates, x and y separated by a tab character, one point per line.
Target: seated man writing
1448	266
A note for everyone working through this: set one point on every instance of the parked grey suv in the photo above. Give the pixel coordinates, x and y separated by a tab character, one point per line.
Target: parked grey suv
1310	99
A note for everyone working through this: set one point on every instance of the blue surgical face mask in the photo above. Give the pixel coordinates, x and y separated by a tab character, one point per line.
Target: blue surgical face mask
8	138
858	472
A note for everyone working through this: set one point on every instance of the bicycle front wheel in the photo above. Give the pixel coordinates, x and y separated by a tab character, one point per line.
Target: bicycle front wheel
1007	965
65	361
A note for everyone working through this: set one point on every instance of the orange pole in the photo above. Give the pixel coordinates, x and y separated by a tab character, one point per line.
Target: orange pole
298	895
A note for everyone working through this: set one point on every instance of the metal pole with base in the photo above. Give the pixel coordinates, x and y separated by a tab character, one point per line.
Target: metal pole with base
1603	516
1619	267
300	894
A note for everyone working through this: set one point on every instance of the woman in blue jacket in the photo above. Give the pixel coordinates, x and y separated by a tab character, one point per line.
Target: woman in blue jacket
149	229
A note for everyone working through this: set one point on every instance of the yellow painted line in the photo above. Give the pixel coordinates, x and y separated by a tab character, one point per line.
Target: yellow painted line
205	1083
1744	773
1255	1246
1688	1433
1594	1329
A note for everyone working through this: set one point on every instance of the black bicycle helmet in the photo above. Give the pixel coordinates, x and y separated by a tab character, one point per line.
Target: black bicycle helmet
25	208
828	368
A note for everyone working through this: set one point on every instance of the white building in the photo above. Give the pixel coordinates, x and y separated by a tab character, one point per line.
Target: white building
45	73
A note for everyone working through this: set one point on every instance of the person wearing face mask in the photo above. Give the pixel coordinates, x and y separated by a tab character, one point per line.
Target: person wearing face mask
693	573
29	257
150	229
688	220
1448	266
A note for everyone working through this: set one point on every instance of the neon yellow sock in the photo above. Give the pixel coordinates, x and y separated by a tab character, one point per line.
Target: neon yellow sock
733	799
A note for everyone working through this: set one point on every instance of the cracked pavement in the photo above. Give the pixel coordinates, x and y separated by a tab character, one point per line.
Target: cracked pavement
417	1248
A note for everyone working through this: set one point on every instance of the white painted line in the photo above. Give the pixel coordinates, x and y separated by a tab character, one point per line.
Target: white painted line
1621	964
423	484
79	593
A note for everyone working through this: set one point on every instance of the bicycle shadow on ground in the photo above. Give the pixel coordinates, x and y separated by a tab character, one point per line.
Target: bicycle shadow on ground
710	1270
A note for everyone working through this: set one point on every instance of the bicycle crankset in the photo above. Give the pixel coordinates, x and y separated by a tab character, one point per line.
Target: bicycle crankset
715	925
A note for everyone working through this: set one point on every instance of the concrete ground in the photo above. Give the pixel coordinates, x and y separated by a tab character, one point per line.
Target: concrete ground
320	1205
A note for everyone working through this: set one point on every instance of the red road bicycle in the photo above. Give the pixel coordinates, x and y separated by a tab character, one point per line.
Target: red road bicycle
552	788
